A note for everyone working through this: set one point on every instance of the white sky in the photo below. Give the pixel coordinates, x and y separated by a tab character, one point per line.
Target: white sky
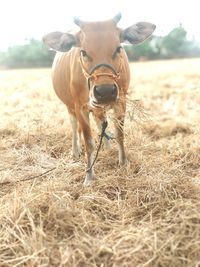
21	19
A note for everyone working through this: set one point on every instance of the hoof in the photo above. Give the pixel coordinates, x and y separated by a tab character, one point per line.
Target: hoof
123	162
76	154
87	183
88	178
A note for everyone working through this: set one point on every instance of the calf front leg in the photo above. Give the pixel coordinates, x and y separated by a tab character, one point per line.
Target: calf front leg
76	137
83	118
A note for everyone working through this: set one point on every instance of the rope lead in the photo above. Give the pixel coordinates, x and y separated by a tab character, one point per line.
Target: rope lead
104	126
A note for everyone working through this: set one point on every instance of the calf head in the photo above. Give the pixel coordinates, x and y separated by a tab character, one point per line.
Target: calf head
100	55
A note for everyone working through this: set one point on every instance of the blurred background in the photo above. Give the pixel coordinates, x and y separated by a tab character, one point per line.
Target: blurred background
24	22
146	214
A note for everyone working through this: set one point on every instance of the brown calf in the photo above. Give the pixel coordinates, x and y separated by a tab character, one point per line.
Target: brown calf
94	76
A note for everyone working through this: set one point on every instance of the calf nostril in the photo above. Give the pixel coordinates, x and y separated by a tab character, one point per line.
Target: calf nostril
97	91
113	89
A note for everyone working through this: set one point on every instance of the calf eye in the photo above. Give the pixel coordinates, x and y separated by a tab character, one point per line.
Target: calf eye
117	51
85	55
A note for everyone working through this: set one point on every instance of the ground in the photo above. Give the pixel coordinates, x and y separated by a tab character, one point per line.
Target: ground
146	214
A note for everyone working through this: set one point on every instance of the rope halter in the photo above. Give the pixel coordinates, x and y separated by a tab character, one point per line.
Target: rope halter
91	75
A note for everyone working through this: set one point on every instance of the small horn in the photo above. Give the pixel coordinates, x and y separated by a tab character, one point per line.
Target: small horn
117	18
77	21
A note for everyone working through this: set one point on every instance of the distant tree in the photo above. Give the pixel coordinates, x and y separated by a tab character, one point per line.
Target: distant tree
33	54
193	49
146	50
175	44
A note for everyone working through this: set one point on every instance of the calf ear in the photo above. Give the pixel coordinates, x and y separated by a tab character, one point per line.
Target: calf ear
59	41
137	33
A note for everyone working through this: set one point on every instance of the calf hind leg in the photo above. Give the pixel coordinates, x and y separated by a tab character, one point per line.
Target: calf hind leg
120	140
119	129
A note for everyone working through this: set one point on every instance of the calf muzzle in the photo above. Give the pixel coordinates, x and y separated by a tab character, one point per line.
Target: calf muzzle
105	93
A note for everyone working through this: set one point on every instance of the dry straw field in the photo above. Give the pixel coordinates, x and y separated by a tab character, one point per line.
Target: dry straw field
146	214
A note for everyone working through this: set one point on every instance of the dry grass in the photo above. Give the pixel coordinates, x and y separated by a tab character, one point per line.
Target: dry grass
147	214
